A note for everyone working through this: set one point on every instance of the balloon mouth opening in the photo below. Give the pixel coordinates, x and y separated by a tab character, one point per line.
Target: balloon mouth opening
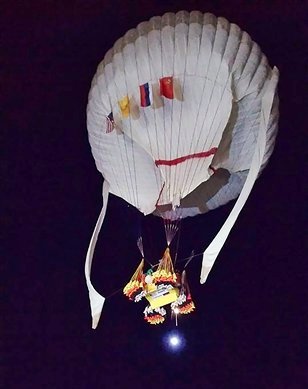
166	212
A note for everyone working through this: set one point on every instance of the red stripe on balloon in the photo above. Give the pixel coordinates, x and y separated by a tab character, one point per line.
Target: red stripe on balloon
176	161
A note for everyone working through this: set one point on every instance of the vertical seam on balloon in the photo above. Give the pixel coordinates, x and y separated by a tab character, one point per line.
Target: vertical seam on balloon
221	98
199	105
163	107
182	91
118	97
150	86
224	88
172	102
248	56
108	86
186	173
132	142
213	120
198	58
250	59
256	122
151	80
135	189
154	76
241	44
124	142
109	151
192	138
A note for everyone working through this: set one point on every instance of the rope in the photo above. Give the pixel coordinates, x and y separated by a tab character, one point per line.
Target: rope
114	293
191	257
177	243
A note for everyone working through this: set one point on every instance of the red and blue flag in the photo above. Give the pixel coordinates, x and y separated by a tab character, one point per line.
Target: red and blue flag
145	98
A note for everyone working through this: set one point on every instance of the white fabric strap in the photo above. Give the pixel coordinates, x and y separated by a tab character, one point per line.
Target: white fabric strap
96	300
212	251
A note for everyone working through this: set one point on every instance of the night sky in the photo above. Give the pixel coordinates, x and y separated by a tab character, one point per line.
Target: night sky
248	330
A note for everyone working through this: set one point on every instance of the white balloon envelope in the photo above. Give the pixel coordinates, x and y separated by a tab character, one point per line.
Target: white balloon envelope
182	118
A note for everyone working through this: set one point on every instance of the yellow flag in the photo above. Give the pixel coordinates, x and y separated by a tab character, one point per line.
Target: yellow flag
124	106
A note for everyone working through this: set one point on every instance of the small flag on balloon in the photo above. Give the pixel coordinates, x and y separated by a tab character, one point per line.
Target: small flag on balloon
124	105
166	87
110	123
145	92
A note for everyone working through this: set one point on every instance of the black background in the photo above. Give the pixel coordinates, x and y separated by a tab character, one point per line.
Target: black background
249	327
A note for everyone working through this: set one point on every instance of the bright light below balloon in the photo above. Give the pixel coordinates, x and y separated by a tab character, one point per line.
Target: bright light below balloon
174	341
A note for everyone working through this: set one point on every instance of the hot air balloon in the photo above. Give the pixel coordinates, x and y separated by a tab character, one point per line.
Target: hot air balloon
182	118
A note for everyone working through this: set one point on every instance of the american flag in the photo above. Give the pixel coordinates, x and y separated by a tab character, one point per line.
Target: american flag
109	123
